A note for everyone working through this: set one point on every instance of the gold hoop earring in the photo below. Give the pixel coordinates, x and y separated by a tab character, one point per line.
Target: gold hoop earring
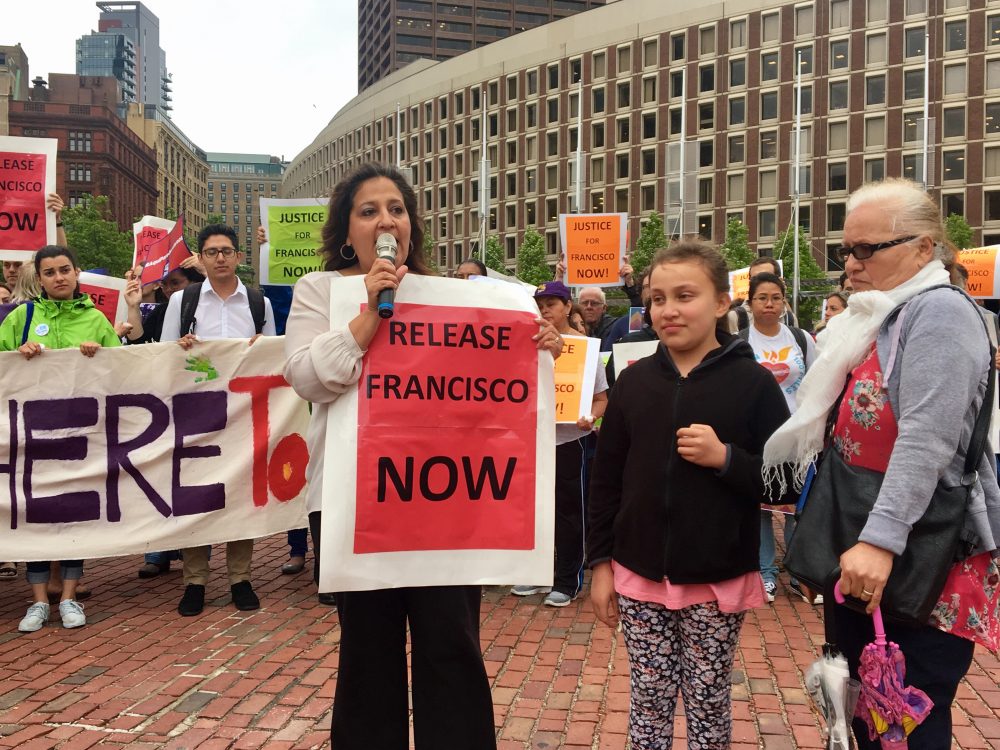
344	255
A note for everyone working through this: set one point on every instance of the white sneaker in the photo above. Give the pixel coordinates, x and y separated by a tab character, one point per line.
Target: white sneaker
72	614
529	590
769	588
36	617
557	599
818	599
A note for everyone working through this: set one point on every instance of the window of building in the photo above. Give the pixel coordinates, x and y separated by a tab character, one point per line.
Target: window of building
624	59
705	196
953	164
837	176
623	130
992	120
622	171
875	49
875	90
676	84
768	184
647	197
912	167
768	144
839	95
677	47
597	99
955	36
835	215
913	84
913	41
706	153
737	72
807	99
804	21
649	90
597	135
916	7
737	149
954	122
706	40
953	203
874	170
992	205
621	200
737	110
649	56
913	130
649	122
770	30
734	188
624	95
706	78
992	75
553	76
954	79
991	162
839	54
769	105
840	14
600	64
675	121
766	222
877	11
769	66
552	113
874	132
648	161
738	34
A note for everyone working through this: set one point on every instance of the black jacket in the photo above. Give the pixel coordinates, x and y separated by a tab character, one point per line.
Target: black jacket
660	515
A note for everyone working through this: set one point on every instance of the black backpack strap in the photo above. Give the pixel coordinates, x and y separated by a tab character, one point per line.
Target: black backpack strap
189	306
744	333
27	321
257	309
800	340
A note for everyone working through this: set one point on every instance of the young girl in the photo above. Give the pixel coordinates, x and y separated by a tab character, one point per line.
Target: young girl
674	512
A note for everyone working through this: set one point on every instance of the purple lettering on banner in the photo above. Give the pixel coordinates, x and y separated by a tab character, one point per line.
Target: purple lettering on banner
58	414
197	414
118	452
11	466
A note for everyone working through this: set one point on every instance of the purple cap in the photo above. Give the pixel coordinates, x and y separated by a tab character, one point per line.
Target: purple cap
553	289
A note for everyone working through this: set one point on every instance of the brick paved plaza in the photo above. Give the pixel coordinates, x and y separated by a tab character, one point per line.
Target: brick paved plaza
140	676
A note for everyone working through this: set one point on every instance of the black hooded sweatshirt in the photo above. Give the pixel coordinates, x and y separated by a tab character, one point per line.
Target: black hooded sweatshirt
660	515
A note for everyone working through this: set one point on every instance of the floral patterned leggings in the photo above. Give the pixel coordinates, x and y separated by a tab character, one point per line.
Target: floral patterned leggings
691	649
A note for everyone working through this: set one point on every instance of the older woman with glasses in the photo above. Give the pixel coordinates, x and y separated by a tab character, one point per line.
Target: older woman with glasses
915	357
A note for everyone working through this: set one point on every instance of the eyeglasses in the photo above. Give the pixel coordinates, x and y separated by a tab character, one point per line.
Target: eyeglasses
776	299
591	303
211	252
863	251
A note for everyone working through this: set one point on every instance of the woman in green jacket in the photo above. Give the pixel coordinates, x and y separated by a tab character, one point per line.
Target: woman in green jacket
61	318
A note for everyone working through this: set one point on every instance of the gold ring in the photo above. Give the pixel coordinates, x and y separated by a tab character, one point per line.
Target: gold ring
866	592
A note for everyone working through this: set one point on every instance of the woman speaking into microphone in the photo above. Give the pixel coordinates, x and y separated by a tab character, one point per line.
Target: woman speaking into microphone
452	705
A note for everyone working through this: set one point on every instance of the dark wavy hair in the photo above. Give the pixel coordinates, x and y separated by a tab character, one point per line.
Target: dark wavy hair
338	219
55	251
213	229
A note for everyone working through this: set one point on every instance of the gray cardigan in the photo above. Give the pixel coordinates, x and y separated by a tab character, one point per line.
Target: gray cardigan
936	387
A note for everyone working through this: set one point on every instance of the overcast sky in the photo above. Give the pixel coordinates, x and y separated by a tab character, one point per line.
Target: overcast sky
249	76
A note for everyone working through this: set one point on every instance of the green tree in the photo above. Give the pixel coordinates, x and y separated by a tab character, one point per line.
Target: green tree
215	219
94	236
430	253
784	250
494	255
651	238
958	231
531	265
736	249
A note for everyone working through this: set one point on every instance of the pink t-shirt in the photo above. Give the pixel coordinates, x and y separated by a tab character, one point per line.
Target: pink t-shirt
734	595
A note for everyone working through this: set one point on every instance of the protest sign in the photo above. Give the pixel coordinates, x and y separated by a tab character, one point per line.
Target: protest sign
636	319
739	281
627	353
982	265
593	246
294	229
27	175
439	464
107	293
145	448
575	376
159	247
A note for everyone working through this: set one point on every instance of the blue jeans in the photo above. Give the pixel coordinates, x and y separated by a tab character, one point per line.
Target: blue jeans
297	542
38	572
768	568
160	558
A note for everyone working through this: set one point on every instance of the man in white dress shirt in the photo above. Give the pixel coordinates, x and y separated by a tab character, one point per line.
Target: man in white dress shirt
225	309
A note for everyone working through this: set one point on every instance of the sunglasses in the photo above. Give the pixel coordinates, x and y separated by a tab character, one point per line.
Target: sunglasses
863	251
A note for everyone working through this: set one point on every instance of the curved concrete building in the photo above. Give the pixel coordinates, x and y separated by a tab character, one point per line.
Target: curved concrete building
719	77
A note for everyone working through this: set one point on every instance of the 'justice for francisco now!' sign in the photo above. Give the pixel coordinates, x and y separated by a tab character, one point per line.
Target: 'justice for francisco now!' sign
439	464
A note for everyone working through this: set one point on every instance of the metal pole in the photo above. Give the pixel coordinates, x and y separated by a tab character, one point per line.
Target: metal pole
579	145
798	180
927	105
484	182
683	156
399	120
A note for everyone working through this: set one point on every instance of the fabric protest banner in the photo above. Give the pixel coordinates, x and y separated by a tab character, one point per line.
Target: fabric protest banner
629	352
739	281
294	230
439	465
982	264
593	246
159	247
575	374
107	294
27	175
145	448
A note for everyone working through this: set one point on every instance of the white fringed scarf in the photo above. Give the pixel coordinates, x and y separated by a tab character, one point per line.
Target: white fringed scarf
843	345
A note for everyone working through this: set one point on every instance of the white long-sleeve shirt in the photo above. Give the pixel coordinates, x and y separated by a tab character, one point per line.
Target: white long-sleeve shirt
322	364
217	318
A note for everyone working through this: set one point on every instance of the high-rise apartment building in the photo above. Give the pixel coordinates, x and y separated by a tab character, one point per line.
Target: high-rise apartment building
393	33
126	45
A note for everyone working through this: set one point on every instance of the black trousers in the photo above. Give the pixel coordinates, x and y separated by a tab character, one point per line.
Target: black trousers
452	704
935	662
569	517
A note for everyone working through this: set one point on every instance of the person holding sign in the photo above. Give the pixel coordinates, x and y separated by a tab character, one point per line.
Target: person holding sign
61	318
674	501
452	705
553	298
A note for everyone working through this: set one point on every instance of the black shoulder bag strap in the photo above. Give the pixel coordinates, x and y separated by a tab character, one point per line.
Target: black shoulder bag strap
255	298
189	306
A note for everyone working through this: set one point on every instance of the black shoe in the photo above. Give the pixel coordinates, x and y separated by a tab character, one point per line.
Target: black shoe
151	570
244	599
796	589
328	599
193	601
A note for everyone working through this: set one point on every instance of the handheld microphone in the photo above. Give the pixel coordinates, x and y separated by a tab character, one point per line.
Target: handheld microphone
385	247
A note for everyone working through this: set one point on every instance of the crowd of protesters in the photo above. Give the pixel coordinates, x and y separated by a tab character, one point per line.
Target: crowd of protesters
664	489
